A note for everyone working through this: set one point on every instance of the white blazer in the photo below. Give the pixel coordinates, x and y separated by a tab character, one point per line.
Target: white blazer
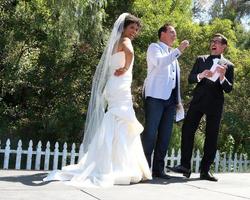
159	82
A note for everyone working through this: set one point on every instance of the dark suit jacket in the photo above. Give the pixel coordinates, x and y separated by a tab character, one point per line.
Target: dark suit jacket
208	96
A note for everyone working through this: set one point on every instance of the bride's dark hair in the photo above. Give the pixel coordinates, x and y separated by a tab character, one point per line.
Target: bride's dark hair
130	19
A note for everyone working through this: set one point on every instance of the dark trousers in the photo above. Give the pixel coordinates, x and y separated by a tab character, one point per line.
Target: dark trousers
159	115
189	128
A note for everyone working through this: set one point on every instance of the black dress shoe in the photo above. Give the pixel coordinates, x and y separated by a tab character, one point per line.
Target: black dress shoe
161	175
207	176
180	169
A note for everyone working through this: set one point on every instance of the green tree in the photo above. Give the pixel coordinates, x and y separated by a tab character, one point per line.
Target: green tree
48	53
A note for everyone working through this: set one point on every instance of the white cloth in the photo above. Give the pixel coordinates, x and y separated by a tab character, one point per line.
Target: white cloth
160	77
213	70
216	63
115	155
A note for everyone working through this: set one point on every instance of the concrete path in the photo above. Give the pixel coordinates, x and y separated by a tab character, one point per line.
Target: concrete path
28	185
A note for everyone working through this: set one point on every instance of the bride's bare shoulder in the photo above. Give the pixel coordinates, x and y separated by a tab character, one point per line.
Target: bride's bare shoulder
126	43
125	39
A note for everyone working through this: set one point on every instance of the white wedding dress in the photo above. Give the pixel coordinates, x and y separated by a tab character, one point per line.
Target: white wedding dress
115	155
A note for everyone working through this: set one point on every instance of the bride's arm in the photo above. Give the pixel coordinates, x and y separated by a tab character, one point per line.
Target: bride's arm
126	46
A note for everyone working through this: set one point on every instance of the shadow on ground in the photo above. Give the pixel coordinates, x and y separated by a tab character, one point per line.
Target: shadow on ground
30	180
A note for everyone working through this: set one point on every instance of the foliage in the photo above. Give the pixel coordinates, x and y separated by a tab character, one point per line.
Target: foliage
47	56
49	50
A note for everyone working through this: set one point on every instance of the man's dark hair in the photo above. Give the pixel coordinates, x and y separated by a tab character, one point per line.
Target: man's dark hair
130	19
223	38
164	28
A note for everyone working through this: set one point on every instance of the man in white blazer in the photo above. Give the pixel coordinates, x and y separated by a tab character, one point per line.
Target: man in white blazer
162	97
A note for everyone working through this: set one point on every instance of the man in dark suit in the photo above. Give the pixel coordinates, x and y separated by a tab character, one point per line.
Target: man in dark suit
214	76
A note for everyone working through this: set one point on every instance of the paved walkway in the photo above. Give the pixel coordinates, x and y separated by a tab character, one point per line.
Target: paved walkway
28	185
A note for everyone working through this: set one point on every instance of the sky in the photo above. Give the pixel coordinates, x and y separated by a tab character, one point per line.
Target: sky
204	17
246	22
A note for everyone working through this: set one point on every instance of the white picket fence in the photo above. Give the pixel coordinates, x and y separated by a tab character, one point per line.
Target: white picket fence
40	160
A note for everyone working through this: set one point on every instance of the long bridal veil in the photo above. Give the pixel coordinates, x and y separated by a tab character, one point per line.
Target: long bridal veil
97	102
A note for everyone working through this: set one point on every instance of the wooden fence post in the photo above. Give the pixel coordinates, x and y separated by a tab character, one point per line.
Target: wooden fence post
6	155
217	161
47	156
18	155
29	155
56	154
38	156
197	161
72	154
64	156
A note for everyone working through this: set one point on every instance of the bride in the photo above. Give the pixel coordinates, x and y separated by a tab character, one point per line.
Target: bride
113	149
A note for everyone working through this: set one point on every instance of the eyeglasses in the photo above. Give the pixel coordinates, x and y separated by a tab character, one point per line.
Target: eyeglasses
215	41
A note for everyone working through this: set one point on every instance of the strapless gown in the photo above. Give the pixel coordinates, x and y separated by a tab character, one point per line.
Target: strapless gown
115	155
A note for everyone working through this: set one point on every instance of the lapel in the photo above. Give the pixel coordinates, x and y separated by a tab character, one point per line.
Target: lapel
166	49
175	64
